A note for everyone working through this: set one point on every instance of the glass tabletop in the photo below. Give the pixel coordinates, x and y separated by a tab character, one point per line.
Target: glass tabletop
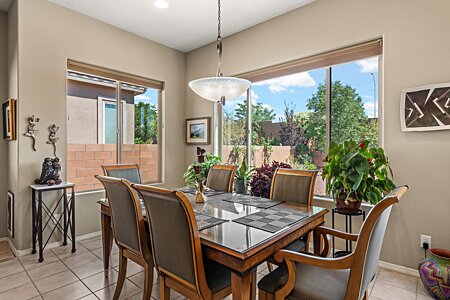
235	236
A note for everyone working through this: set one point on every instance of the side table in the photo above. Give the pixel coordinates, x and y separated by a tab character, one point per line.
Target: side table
67	216
348	228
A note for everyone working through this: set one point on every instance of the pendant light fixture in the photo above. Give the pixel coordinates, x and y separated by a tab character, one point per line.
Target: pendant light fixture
219	88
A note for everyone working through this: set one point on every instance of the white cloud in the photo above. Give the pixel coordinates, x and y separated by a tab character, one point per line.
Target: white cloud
267	106
142	97
283	83
369	65
253	96
369	108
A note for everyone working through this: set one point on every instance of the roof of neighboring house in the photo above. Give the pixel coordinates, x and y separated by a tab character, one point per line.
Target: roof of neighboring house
78	76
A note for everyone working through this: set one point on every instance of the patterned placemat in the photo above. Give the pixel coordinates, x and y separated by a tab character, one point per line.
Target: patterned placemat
271	220
206	192
252	201
204	221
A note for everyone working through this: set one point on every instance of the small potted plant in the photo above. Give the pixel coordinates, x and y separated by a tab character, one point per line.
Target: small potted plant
262	178
204	163
355	172
242	177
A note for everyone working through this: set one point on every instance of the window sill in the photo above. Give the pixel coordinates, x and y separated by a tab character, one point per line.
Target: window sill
330	200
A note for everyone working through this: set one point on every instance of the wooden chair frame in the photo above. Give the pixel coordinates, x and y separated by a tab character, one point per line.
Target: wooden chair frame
354	261
105	168
168	280
144	258
231	168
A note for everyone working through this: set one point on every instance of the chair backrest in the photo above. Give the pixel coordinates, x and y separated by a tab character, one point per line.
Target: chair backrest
293	186
129	172
221	178
126	215
368	247
174	235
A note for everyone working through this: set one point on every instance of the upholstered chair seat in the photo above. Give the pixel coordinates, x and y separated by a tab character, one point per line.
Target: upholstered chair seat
311	283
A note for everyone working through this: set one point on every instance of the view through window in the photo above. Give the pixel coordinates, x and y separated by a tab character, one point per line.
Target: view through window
289	116
94	125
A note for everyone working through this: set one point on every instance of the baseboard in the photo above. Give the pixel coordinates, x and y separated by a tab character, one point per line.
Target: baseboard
49	245
398	268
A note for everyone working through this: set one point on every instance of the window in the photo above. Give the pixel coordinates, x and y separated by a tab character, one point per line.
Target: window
100	134
299	108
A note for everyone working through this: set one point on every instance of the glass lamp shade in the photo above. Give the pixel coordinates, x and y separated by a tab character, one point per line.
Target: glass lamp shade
214	88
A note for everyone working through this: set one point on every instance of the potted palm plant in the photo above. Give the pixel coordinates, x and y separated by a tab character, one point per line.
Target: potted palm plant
242	177
355	172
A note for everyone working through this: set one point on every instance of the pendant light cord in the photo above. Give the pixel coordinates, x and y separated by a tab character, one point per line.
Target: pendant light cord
219	40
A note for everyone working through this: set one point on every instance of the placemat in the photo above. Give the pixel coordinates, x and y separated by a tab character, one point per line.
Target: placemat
204	221
206	192
271	220
252	201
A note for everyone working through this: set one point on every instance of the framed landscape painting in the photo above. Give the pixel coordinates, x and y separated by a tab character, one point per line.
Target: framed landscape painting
425	108
9	119
198	131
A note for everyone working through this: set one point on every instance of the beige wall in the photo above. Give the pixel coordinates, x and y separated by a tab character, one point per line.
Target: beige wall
416	52
3	97
49	35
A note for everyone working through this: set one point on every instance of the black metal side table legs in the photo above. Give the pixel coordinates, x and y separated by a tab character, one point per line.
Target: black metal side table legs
61	222
348	229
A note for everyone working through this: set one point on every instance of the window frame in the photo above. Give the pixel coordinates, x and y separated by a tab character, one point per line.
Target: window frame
123	78
325	60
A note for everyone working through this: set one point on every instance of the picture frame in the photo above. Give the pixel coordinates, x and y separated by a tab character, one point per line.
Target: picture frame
10	213
425	108
9	120
198	131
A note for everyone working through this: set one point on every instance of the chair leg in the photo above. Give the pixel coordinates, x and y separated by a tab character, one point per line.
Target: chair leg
148	281
164	291
262	295
254	284
122	274
366	296
269	266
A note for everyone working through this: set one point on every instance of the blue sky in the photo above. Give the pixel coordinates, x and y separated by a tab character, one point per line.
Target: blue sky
297	88
150	96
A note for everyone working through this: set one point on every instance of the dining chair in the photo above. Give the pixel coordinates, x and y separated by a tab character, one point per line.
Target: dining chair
177	249
221	178
306	276
129	231
129	172
293	186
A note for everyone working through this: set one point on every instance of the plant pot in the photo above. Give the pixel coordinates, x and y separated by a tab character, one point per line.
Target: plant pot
352	206
240	187
434	272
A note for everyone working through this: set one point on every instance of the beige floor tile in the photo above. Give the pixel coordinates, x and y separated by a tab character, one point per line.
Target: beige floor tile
397	279
55	281
89	269
65	251
385	291
421	290
30	261
27	291
424	297
93	243
173	294
138	279
13	281
79	260
114	260
47	270
128	290
99	281
137	296
99	252
89	297
132	268
37	298
72	291
10	267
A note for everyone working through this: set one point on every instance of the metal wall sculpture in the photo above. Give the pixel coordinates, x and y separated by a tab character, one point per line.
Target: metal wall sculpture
32	131
52	139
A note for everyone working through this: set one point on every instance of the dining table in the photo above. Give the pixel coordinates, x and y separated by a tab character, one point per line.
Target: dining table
238	246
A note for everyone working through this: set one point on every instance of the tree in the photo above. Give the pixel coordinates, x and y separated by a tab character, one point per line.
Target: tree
291	132
348	118
146	123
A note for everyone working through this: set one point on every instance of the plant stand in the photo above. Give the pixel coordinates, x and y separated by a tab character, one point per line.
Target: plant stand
348	229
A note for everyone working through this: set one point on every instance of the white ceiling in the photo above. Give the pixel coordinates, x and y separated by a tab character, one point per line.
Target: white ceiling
4	5
186	24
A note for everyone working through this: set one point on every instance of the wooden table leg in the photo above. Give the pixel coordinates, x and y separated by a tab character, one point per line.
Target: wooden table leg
243	286
107	241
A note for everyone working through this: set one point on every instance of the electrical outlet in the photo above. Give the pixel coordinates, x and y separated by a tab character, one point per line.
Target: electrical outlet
425	239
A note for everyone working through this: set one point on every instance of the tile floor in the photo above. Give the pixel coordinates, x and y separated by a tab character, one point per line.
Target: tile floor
67	276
